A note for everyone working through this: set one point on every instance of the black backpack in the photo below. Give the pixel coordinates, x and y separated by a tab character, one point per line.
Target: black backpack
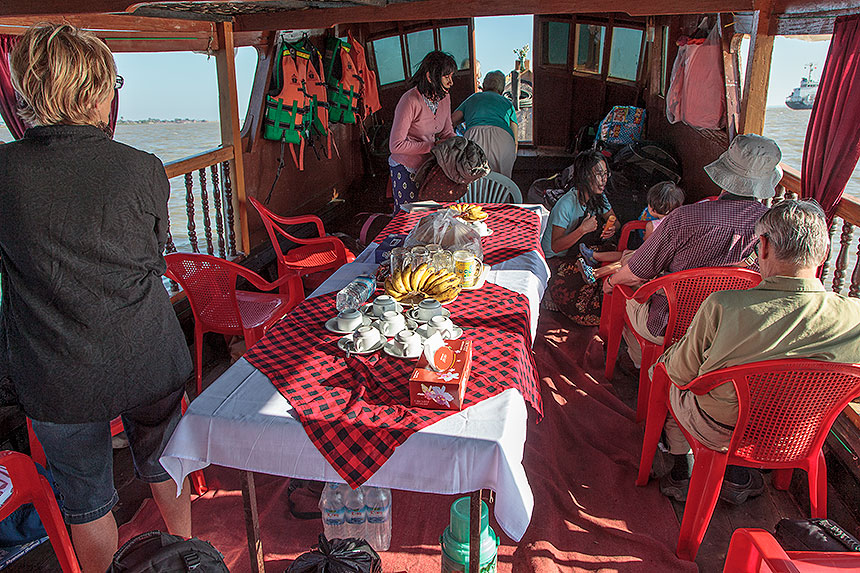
157	552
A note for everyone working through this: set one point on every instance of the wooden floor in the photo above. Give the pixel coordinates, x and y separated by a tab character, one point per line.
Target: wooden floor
763	511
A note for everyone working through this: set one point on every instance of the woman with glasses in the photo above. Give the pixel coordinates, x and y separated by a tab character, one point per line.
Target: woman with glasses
582	215
87	330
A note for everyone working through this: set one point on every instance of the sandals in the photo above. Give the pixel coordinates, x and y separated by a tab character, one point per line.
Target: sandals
588	255
586	271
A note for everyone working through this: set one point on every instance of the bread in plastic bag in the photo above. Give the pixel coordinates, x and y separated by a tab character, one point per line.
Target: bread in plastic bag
444	228
338	556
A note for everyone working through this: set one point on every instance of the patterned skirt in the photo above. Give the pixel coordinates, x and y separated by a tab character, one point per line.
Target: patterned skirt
403	186
576	299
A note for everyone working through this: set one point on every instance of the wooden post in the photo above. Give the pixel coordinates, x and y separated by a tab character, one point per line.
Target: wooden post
228	106
758	71
731	72
252	522
475	532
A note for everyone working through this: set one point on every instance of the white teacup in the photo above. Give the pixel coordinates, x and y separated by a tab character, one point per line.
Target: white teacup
348	319
408	343
383	303
428	308
392	322
365	338
481	227
442	325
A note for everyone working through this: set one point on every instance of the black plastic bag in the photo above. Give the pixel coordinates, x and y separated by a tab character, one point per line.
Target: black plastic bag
338	556
814	535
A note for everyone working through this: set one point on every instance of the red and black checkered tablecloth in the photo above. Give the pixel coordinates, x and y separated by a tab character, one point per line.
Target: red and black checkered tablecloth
356	410
515	231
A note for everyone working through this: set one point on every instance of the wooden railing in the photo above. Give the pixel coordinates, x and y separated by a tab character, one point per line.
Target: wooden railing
202	207
844	251
209	206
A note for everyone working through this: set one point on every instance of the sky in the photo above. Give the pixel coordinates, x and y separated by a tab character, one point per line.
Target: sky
184	85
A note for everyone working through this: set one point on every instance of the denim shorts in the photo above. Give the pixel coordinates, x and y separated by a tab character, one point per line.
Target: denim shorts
81	457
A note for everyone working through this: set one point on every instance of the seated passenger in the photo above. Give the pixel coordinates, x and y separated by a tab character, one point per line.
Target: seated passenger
663	198
709	234
579	216
491	122
788	315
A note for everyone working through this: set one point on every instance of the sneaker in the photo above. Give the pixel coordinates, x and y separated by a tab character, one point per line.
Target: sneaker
588	255
674	488
586	271
736	494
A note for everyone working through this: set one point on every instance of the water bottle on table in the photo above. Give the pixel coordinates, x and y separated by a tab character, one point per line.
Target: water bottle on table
333	511
377	500
355	293
356	517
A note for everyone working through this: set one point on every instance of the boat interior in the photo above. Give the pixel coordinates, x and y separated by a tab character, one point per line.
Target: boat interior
581	460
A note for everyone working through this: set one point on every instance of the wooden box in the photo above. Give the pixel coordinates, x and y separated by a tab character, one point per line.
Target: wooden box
442	390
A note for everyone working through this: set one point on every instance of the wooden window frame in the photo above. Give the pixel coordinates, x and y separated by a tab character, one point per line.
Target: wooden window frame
642	50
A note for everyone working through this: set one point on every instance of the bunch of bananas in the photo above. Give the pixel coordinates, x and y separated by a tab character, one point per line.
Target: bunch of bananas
469	212
424	281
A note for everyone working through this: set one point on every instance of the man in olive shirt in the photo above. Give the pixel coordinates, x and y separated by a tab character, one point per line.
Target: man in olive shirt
789	315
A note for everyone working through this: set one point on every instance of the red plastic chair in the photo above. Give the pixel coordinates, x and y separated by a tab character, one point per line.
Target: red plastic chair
785	410
28	486
198	481
605	315
322	253
756	551
210	284
685	291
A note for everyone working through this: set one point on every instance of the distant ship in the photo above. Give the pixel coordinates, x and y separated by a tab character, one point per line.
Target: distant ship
803	97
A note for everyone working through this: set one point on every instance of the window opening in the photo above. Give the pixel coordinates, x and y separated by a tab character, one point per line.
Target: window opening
624	53
556	37
455	41
499	41
589	48
418	45
388	54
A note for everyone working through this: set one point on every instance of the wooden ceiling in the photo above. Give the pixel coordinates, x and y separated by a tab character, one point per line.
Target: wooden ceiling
192	17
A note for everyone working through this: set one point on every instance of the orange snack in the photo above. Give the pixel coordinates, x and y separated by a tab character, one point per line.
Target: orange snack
610	222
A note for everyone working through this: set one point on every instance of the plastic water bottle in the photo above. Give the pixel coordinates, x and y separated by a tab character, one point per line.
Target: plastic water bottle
356	517
333	511
377	500
356	293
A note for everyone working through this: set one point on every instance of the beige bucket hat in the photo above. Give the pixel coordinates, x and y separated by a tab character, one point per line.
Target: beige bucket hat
749	167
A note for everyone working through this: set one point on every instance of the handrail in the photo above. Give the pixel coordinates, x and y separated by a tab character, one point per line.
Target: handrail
199	161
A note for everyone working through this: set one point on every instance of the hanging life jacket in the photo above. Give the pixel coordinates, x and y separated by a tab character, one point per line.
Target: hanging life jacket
369	93
298	107
344	81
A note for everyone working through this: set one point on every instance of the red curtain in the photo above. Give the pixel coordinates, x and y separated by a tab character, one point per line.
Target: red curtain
8	99
833	138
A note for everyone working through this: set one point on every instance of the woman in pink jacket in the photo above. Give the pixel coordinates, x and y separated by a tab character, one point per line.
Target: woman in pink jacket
422	116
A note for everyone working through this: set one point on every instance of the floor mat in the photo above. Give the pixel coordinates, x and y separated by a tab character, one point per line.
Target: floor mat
581	462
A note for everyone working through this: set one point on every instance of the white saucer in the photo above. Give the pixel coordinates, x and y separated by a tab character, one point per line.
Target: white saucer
367	309
422	332
331	325
410	325
391	349
487	234
346	345
413	314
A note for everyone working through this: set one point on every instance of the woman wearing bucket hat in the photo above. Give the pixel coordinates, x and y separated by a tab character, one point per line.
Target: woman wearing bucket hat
707	234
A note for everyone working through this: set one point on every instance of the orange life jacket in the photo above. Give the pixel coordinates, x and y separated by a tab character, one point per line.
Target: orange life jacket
369	92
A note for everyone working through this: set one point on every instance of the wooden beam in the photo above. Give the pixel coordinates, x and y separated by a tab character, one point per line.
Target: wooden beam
758	72
731	73
44	7
431	9
127	22
228	106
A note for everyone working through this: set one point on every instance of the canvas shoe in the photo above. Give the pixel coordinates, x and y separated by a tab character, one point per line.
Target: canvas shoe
588	255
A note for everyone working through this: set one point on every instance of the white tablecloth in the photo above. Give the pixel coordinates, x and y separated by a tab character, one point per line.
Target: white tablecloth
242	421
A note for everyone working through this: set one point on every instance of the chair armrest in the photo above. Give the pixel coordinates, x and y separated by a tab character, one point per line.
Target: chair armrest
261	283
300	220
750	547
628	228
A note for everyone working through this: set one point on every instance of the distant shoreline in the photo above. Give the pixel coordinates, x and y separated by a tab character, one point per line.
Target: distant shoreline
151	121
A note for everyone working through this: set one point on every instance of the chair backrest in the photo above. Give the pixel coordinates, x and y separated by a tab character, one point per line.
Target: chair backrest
493	188
210	284
785	407
626	231
686	290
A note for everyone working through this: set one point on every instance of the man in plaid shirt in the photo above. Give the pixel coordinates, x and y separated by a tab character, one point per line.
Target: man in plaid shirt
706	234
